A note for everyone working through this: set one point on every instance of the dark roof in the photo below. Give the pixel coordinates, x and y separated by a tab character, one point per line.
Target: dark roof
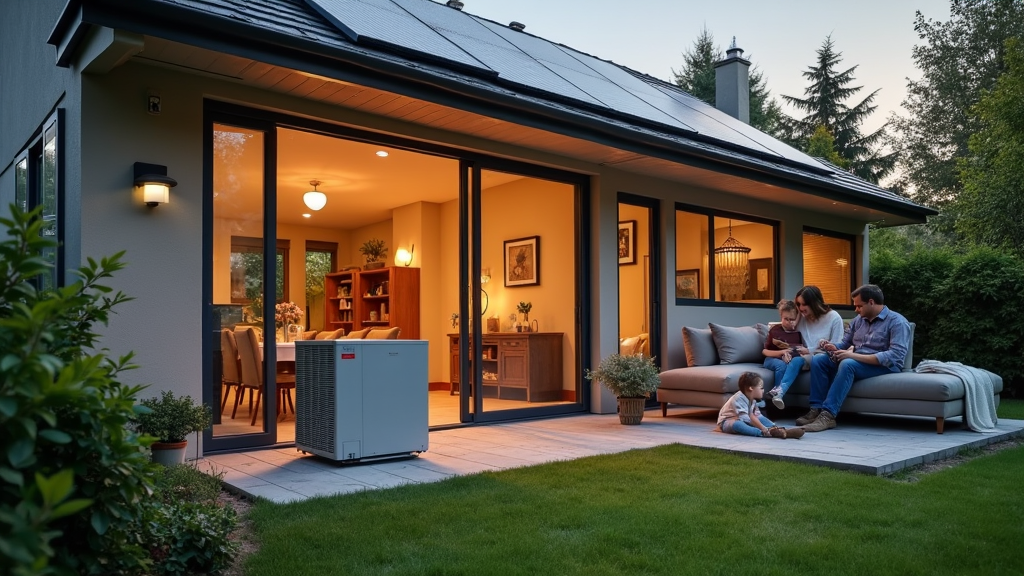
476	57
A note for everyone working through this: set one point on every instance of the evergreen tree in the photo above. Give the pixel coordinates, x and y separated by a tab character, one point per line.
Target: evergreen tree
958	60
698	78
824	105
822	145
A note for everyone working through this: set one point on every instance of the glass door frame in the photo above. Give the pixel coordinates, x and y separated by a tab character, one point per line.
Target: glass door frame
656	281
471	369
213	115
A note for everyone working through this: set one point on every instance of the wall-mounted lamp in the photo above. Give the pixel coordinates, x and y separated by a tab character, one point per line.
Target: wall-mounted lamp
315	199
485	277
155	183
403	257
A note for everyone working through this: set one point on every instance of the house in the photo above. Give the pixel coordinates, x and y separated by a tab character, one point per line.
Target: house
501	167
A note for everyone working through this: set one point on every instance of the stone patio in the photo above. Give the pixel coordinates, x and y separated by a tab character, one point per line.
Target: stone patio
862	443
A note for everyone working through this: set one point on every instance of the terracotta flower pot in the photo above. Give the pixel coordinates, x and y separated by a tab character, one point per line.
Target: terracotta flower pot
631	410
169	453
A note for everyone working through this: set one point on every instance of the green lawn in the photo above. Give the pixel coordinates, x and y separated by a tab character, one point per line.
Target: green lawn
667	510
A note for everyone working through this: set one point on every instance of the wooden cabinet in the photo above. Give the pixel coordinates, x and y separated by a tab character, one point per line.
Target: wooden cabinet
380	298
516	365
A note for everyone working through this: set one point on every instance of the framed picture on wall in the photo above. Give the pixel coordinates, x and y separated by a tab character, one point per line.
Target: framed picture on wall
522	261
761	279
688	283
627	242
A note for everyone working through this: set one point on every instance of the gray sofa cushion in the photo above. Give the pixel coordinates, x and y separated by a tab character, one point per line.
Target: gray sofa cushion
699	347
735	345
721	378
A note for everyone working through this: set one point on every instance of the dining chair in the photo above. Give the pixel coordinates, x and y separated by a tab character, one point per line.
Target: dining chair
383	334
307	335
357	334
252	375
231	372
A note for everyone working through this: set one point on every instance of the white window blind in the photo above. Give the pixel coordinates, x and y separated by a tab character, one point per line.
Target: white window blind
827	264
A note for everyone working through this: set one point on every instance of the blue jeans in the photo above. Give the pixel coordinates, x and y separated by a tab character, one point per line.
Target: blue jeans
831	382
741	427
785	373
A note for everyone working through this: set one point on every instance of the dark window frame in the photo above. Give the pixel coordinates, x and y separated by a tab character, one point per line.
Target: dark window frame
711	214
33	156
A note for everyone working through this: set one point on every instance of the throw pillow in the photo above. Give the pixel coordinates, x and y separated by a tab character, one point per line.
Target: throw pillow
628	346
743	344
699	347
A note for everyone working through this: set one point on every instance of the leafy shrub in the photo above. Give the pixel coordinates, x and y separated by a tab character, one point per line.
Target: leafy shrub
185	482
627	376
171	419
966	306
74	477
190	537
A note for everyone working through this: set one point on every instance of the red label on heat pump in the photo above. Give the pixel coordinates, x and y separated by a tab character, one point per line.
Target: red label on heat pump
348	356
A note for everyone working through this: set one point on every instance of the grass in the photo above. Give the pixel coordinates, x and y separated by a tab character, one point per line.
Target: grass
668	510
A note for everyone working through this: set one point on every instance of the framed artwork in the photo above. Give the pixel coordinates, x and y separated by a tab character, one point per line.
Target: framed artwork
688	283
761	279
522	261
627	242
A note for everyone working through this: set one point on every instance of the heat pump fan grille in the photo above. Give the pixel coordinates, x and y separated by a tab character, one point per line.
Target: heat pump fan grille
315	400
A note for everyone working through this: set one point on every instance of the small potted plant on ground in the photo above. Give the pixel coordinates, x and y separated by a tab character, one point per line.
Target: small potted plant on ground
170	420
375	251
631	379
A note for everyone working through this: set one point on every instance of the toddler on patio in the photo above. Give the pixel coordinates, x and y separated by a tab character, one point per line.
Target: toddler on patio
783	349
740	414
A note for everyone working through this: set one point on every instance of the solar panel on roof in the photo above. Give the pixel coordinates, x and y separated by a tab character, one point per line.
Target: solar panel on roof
383	21
511	63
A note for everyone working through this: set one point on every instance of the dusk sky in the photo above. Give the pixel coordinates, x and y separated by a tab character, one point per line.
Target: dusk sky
780	37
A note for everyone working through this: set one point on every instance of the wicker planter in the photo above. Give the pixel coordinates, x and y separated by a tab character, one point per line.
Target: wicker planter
631	410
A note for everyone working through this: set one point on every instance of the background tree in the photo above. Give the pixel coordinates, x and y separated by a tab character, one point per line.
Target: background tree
824	104
958	60
822	145
697	77
992	200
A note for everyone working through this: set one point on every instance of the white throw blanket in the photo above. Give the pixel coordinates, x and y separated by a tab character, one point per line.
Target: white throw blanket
979	405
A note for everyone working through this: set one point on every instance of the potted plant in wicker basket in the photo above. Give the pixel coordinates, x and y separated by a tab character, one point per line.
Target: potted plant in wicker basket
375	251
170	420
631	379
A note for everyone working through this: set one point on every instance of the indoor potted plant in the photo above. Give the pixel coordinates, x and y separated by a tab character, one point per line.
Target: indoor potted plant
170	420
631	379
375	251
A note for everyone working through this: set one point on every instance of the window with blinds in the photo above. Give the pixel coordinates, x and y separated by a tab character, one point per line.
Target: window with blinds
827	264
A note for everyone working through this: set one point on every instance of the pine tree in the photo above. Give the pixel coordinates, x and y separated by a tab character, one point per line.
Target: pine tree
824	104
698	78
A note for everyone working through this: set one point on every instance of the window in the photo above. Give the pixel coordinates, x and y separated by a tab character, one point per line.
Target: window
247	269
321	259
725	258
38	182
828	259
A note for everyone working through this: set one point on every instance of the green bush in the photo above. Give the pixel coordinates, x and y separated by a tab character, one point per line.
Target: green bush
627	376
171	419
74	478
185	482
966	306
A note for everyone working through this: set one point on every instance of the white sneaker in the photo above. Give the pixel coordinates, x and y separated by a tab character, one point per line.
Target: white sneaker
777	401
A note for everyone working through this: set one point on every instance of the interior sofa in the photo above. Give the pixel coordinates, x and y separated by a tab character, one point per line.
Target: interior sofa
718	355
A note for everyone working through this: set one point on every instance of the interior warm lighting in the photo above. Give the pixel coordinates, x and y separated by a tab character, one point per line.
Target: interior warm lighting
314	199
485	275
155	183
403	257
382	153
842	261
731	271
307	215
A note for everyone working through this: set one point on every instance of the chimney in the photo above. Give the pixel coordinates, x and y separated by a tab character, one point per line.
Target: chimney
732	84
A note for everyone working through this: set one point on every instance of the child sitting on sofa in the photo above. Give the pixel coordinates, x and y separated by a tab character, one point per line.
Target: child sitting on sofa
740	414
783	349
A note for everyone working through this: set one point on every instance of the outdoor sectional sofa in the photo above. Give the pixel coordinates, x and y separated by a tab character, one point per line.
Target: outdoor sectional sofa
717	355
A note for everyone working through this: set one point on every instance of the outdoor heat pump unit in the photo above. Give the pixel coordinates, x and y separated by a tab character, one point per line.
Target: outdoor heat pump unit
358	400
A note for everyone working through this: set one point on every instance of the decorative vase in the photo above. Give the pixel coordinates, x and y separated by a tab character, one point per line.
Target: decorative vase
631	410
168	453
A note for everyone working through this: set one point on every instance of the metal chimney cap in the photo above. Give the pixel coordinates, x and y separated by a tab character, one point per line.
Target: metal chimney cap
457	4
734	51
517	26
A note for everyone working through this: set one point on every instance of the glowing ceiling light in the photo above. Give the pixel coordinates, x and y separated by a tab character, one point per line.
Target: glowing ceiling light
382	153
315	199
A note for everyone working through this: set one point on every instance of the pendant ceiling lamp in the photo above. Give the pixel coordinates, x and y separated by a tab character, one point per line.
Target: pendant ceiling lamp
314	199
731	272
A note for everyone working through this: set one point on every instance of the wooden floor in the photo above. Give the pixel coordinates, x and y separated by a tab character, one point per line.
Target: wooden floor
444	410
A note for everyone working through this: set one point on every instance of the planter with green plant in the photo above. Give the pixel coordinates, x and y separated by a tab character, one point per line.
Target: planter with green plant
632	379
171	420
374	250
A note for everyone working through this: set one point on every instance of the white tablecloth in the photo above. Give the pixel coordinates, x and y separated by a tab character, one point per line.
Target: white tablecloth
285	351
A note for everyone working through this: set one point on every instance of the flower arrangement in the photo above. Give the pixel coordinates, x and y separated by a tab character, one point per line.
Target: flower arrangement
287	313
524	307
455	319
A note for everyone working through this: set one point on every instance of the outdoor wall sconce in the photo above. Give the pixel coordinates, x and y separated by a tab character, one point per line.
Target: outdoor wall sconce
314	199
155	183
403	257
